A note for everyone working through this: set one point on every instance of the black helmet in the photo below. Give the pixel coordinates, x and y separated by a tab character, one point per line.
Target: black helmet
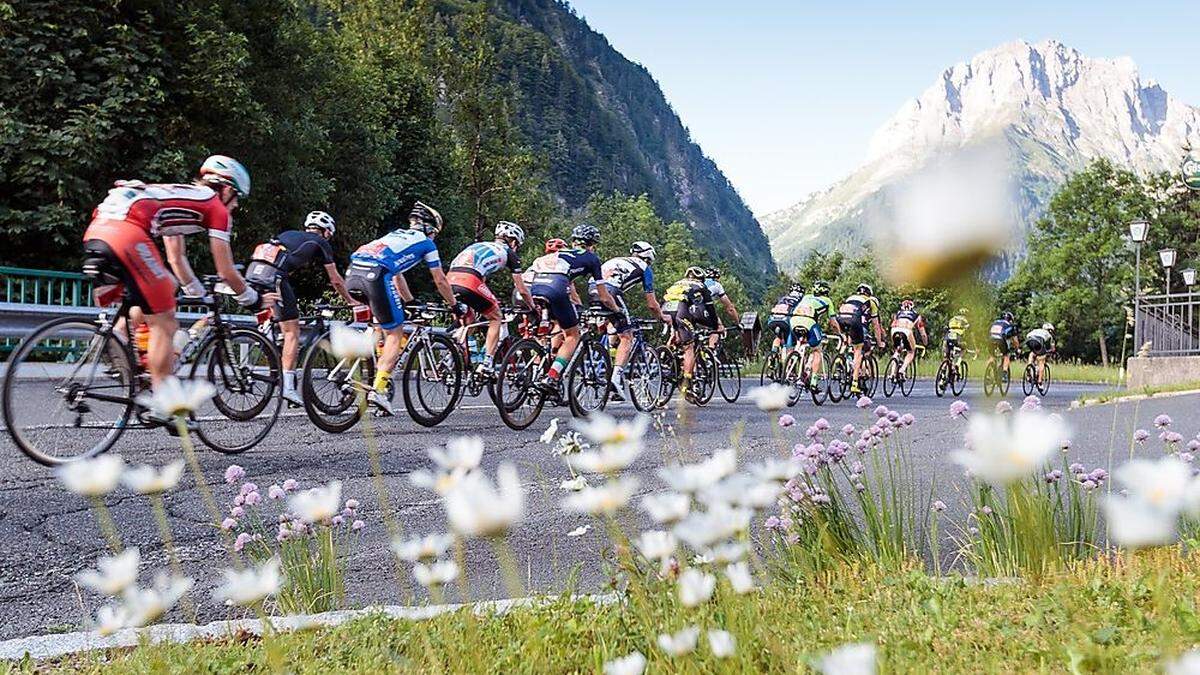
695	272
713	273
798	288
585	234
425	218
820	287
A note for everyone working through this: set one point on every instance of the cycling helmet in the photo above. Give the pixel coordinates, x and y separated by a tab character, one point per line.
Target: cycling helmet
554	245
586	234
510	230
1049	327
1008	316
907	305
798	289
319	220
226	171
643	250
963	311
694	272
425	218
865	289
820	287
713	273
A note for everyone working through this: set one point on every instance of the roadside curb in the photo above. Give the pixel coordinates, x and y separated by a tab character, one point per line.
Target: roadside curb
1090	402
58	645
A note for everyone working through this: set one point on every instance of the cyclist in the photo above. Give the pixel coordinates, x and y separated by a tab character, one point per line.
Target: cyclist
619	275
376	276
781	319
956	332
814	309
712	280
689	302
554	274
906	325
468	278
123	229
857	313
1040	343
269	269
1004	337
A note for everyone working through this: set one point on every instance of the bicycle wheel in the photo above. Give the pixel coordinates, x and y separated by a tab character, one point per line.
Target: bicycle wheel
890	377
839	379
1005	382
704	377
520	402
1043	385
331	386
587	380
820	391
991	378
243	366
771	365
869	376
1027	380
68	392
671	374
910	379
958	378
501	349
792	376
942	380
645	378
433	380
729	379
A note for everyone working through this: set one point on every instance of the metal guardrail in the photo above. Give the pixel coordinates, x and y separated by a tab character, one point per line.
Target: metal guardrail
44	287
1167	325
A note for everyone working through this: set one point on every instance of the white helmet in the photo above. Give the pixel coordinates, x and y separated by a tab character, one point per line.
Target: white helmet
643	250
510	230
227	170
1049	327
321	221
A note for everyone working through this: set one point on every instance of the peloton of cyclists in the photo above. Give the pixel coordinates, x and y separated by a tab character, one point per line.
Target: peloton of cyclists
907	324
689	303
856	315
269	269
619	275
468	276
376	276
122	232
1005	340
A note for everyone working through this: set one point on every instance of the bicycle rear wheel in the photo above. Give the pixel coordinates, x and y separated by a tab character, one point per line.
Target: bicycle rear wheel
704	379
890	377
520	402
68	392
331	387
1043	386
645	378
959	380
587	381
432	380
770	366
729	379
243	366
671	374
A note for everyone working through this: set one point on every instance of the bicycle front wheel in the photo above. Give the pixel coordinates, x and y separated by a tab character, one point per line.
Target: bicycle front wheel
1028	380
671	374
958	379
243	366
587	381
331	387
68	392
729	379
891	377
942	381
518	399
910	379
645	379
1043	386
991	378
793	376
704	379
432	380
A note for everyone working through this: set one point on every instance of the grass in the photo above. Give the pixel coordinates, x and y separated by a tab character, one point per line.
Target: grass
1113	394
1097	617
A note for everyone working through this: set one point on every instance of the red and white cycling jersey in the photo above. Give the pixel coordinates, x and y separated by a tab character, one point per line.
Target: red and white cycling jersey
486	257
166	209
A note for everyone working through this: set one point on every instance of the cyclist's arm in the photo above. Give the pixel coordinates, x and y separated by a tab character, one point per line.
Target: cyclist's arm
519	284
654	307
573	294
443	286
878	329
401	285
338	283
176	247
606	297
730	309
223	257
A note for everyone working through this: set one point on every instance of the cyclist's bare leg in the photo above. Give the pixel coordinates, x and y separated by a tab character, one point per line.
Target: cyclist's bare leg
291	343
858	353
814	361
393	341
624	346
493	331
714	340
160	357
689	359
909	355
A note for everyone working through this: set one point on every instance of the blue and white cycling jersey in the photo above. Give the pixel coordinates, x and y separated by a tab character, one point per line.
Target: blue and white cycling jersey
398	251
558	269
715	287
622	274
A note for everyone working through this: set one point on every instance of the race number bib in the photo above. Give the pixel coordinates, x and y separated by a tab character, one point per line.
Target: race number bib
269	253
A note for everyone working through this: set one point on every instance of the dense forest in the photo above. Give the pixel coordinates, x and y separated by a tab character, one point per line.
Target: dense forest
490	109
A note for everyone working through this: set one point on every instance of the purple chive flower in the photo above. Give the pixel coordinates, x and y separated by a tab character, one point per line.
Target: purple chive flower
283	533
798	450
1162	421
1053	476
939	506
1193	445
785	522
275	492
959	409
337	520
239	500
357	525
786	420
857	467
849	431
860	487
987	510
821	499
861	445
1089	484
290	484
237	512
228	524
907	419
241	541
864	402
234	473
892	415
812	432
1003	407
821	424
1141	435
247	488
352	504
1187	457
881	411
772	523
1065	445
1174	438
253	498
1075	468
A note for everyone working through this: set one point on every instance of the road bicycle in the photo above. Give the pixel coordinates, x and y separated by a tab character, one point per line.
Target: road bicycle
1031	382
995	379
643	370
893	379
868	373
952	374
430	371
773	365
704	370
583	385
70	386
729	369
798	373
471	352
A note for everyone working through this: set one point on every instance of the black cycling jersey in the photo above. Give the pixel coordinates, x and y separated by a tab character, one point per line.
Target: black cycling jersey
302	248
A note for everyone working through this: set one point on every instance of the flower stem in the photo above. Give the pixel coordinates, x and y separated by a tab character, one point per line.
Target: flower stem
508	567
107	525
164	532
189	451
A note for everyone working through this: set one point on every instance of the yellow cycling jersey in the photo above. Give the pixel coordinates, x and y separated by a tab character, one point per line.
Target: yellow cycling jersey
957	327
682	289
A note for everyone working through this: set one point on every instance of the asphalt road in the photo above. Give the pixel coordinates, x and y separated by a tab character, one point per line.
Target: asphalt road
49	534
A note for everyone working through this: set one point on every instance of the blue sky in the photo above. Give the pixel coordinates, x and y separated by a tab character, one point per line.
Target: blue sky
785	94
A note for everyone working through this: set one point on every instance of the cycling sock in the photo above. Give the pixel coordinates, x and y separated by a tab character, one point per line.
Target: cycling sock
489	360
556	368
289	380
381	380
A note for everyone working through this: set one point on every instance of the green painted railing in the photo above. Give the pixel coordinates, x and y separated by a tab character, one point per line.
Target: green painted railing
45	287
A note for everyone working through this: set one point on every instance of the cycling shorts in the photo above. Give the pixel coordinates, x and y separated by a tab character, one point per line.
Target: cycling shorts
1036	345
288	307
853	328
472	290
779	325
558	300
685	329
373	285
621	321
1000	346
805	331
129	249
902	337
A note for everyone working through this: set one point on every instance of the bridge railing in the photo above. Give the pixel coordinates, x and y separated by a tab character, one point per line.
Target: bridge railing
1167	325
45	287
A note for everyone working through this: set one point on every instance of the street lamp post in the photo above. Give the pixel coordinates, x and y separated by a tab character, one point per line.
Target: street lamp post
1138	230
1167	257
1189	279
